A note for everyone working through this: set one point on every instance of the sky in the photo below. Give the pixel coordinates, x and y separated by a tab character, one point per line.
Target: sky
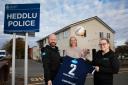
56	14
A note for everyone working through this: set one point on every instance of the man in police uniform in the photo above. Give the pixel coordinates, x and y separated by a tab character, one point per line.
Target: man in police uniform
51	59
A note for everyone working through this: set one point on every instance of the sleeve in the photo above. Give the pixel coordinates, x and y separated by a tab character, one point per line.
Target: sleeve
61	60
114	68
93	62
115	64
46	64
89	65
95	59
91	69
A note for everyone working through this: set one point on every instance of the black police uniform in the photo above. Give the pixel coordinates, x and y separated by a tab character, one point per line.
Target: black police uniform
51	62
108	65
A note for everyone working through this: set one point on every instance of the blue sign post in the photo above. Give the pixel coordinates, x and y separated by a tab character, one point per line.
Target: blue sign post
21	18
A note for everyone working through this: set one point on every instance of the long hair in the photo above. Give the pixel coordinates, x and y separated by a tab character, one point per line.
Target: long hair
107	42
70	40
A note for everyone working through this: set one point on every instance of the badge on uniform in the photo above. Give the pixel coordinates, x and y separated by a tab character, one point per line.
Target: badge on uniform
105	58
74	61
43	53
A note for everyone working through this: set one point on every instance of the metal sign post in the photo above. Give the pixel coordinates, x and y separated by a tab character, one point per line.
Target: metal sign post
13	58
20	19
26	60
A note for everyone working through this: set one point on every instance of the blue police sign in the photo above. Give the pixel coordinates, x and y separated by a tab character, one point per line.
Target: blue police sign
21	18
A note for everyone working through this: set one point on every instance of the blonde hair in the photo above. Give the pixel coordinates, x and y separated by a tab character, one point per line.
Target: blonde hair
70	40
107	40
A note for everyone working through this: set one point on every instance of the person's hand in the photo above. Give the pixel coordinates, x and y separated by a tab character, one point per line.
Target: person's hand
49	82
86	52
97	68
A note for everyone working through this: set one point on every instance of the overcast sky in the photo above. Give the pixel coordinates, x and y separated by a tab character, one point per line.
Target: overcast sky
56	14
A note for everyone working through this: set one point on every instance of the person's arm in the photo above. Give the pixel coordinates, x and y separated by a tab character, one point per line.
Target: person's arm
49	82
114	68
92	62
115	64
46	64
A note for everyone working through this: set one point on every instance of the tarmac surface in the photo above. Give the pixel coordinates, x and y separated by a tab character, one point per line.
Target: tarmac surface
35	74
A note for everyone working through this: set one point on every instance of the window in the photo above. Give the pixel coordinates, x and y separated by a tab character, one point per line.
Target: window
63	52
59	36
101	35
45	40
2	53
85	35
66	33
108	35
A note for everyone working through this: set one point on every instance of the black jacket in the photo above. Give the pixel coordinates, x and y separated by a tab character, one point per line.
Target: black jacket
51	62
108	65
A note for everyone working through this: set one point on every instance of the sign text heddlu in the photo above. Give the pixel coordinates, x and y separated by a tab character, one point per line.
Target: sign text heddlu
21	18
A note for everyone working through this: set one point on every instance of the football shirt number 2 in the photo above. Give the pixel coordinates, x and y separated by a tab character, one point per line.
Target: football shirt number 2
71	72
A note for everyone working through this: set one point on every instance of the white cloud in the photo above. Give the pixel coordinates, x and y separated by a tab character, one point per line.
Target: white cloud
1	12
43	2
80	11
118	21
20	1
56	14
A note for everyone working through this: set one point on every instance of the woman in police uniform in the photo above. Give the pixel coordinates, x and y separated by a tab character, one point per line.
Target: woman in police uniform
106	64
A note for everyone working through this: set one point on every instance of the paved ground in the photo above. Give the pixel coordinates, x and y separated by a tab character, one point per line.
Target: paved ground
35	74
34	68
119	79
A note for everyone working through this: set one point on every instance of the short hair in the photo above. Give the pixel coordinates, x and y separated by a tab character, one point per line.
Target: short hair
51	35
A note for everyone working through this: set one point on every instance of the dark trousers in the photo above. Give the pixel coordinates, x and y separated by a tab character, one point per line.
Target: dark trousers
99	81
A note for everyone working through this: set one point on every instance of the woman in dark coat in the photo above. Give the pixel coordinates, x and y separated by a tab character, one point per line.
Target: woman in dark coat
106	64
